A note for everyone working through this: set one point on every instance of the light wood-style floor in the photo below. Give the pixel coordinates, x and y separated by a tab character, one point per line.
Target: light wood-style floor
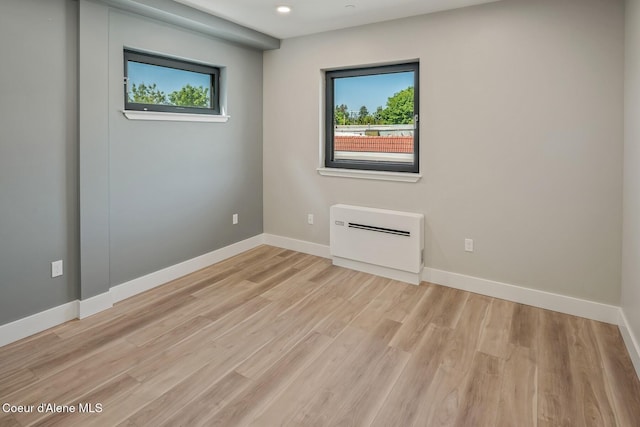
274	337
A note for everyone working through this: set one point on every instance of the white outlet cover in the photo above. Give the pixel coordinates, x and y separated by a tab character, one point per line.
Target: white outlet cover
468	245
56	268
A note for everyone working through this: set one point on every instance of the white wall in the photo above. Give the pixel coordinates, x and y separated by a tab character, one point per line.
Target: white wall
521	139
631	230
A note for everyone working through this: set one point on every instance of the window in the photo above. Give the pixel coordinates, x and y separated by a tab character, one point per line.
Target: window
372	118
155	83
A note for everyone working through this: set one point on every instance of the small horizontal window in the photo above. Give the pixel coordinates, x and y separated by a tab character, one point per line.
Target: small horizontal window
156	83
372	118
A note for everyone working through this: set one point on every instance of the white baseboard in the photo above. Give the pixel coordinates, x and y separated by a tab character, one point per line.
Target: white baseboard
547	300
38	322
630	340
79	309
160	277
297	245
90	306
389	273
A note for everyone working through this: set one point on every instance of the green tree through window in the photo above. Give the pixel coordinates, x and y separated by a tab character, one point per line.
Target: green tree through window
156	83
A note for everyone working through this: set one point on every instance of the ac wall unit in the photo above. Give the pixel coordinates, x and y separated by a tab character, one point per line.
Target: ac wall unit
378	241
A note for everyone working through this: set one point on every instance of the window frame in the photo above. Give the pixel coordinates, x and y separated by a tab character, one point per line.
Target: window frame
330	161
179	64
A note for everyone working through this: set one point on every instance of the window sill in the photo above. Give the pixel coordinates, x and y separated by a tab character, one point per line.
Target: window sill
364	174
175	117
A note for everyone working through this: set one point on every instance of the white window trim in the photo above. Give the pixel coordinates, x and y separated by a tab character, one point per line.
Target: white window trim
369	174
174	117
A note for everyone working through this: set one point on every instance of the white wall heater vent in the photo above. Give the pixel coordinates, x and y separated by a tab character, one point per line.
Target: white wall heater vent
378	241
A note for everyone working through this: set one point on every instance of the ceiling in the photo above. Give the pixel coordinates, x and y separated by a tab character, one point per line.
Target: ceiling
314	16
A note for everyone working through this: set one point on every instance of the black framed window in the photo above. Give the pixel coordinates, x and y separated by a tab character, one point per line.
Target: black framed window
156	83
372	117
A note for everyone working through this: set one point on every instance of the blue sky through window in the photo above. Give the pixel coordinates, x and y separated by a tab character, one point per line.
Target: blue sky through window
370	91
166	79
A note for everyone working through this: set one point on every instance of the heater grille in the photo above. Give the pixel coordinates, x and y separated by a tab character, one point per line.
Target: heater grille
380	229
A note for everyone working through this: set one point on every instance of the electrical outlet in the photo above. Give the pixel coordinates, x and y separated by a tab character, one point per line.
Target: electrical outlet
235	219
56	268
468	245
310	219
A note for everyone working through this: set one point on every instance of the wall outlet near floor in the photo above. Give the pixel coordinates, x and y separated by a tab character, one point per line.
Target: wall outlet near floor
310	219
56	268
235	219
468	245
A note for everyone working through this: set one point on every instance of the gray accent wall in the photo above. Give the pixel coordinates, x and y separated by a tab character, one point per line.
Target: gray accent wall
174	186
631	248
171	187
521	139
38	155
94	149
114	199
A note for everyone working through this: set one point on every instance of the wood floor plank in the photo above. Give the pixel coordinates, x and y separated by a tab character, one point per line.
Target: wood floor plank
177	397
313	300
434	303
393	302
624	385
206	278
299	285
304	388
122	406
77	326
200	410
296	327
154	296
557	385
592	401
303	261
16	380
479	400
7	420
497	329
72	382
76	380
450	310
524	325
281	265
449	382
346	284
21	354
182	316
328	274
235	318
253	400
386	329
361	404
401	300
414	381
275	337
353	373
244	293
350	308
82	345
519	390
244	337
103	396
